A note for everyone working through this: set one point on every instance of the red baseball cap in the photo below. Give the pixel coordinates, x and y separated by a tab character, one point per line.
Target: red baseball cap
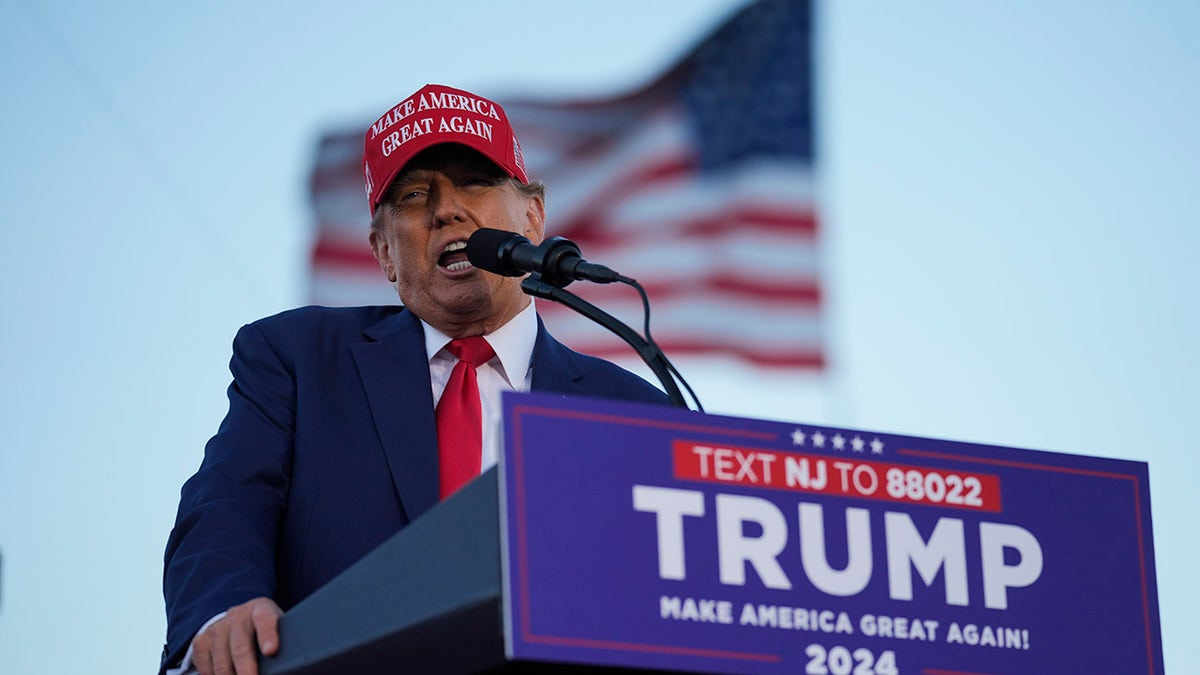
437	114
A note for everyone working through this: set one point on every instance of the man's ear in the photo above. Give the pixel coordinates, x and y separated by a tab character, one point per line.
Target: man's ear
379	247
535	220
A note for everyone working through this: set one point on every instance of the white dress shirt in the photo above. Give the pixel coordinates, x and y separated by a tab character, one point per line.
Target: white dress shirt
511	369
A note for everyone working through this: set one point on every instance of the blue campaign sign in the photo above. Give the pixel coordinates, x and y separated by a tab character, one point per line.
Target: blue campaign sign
650	537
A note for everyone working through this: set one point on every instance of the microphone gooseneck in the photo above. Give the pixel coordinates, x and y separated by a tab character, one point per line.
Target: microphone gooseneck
557	262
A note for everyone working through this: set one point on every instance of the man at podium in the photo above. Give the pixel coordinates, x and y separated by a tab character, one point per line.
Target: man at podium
345	424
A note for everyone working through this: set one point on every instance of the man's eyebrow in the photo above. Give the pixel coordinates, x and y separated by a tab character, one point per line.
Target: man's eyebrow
412	175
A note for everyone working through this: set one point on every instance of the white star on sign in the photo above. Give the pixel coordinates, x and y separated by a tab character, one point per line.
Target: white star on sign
839	443
819	439
857	444
798	437
876	447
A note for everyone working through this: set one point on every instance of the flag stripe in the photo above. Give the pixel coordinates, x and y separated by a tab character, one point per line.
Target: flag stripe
797	293
718	317
811	359
684	326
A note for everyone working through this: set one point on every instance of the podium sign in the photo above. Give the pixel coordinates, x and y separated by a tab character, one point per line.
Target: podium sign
649	537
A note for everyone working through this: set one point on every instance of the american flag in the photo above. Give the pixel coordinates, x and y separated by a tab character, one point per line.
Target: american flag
699	185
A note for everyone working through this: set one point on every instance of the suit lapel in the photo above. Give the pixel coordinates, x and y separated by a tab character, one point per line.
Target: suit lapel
554	368
395	375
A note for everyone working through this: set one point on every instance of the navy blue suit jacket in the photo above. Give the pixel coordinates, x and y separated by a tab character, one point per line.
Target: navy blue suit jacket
328	449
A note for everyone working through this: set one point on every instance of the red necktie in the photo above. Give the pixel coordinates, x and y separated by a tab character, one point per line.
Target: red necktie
460	416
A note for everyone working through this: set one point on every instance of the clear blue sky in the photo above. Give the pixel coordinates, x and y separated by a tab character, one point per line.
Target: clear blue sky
1010	245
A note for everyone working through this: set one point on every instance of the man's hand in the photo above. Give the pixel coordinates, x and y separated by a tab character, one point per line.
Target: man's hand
228	645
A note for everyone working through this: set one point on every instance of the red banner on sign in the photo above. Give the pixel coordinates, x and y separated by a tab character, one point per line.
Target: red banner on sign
846	477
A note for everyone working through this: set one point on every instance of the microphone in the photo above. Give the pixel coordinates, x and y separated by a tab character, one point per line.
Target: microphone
557	259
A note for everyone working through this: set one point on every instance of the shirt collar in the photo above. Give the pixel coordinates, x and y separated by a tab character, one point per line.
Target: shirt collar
513	343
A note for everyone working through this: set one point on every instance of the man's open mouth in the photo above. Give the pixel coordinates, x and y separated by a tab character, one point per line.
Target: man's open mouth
454	257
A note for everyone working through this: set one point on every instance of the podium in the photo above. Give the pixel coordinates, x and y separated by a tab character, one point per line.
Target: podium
624	538
428	600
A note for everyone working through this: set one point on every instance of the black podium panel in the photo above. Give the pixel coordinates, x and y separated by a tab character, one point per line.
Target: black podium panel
428	600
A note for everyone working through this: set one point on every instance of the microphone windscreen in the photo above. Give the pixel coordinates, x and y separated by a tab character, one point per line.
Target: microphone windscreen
491	250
